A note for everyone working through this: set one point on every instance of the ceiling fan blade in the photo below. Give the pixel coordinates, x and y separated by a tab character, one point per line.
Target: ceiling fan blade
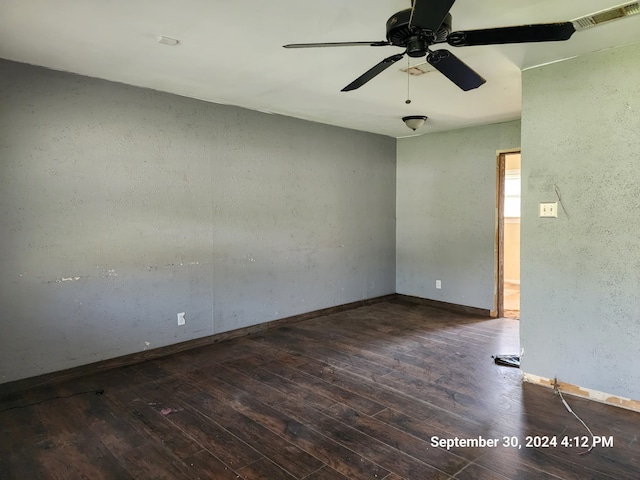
544	32
379	68
455	69
429	14
337	44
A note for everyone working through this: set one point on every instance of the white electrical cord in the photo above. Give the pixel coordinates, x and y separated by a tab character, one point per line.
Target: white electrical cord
557	190
579	419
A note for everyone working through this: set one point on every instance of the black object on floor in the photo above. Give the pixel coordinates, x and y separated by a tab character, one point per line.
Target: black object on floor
507	360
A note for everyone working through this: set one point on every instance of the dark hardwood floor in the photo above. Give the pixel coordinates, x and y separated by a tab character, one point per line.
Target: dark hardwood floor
355	395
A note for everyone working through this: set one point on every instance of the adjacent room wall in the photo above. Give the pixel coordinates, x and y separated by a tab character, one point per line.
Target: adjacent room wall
446	213
580	307
512	250
511	247
122	207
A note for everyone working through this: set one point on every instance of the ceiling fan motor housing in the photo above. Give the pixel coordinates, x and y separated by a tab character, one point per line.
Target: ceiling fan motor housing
401	34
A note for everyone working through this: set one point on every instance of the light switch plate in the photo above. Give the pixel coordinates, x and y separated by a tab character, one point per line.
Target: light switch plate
548	210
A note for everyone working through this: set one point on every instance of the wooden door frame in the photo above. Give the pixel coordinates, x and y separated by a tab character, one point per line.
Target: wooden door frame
498	291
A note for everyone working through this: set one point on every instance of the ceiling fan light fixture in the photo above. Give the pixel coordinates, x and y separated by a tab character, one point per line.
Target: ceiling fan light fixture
414	121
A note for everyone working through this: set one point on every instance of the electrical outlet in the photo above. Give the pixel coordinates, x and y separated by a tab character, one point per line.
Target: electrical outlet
438	284
181	319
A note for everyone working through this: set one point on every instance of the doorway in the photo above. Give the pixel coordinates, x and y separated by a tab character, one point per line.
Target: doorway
508	265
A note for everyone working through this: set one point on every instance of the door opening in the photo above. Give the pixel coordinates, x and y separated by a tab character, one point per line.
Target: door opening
508	264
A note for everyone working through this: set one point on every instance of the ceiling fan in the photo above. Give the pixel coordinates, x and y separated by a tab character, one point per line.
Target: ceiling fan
428	23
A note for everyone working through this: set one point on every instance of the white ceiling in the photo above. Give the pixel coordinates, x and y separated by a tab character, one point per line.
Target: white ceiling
231	52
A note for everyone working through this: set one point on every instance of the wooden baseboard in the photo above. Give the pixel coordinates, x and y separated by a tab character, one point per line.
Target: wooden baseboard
451	307
104	365
595	395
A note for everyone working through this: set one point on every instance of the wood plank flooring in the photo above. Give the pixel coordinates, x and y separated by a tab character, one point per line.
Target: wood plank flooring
511	301
359	394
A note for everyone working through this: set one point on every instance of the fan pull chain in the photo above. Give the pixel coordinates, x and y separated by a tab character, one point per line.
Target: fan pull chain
408	101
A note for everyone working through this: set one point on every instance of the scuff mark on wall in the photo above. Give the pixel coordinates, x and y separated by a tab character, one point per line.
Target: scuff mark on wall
75	278
69	279
173	265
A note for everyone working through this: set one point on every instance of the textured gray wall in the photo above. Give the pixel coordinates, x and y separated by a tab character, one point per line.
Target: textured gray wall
122	207
446	218
581	274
